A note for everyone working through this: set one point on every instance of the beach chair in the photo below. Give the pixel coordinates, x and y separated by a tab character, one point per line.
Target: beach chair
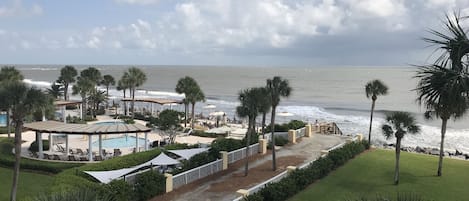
83	158
98	158
117	152
79	151
72	158
46	156
56	157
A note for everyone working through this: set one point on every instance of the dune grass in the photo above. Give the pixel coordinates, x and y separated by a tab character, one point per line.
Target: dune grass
30	184
371	175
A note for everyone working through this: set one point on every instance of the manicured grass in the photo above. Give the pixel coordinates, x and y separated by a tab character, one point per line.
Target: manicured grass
371	174
30	184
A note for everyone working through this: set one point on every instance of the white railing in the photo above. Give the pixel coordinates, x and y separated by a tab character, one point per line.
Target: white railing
300	132
239	154
197	173
282	175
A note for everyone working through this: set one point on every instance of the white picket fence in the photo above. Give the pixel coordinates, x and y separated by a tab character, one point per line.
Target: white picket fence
300	132
239	154
197	173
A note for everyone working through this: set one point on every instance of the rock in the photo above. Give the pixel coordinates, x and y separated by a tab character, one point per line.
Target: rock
435	151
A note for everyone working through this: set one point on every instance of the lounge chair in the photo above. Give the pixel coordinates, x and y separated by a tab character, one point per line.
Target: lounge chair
98	158
117	152
56	157
46	156
79	151
72	158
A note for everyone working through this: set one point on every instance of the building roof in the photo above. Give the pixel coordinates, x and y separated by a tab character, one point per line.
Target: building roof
69	102
155	100
85	129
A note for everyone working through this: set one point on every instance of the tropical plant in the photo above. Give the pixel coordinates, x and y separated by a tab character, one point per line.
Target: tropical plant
22	101
183	87
96	97
67	77
251	102
193	94
399	124
123	84
443	87
83	87
55	90
107	81
8	74
373	89
168	122
277	88
265	107
136	78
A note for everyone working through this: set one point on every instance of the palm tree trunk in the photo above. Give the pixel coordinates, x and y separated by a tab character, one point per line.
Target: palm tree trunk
66	91
398	155
185	114
125	105
16	168
193	116
8	123
132	93
248	139
83	107
107	96
442	143
371	121
272	126
263	124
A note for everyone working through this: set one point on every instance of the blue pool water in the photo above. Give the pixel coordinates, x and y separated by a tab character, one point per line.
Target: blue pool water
3	120
109	122
120	142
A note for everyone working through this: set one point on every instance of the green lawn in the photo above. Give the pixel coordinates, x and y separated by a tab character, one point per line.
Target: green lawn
31	184
372	173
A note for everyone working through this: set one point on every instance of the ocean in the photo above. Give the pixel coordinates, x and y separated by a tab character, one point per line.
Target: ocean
319	93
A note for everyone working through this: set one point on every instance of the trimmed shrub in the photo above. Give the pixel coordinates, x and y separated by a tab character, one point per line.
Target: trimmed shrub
35	146
118	190
301	178
201	133
224	144
149	184
293	124
280	141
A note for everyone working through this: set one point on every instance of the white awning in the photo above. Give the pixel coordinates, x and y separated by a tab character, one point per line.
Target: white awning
188	153
161	159
108	176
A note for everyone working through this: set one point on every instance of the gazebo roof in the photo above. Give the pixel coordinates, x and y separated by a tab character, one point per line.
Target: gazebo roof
69	102
155	100
85	129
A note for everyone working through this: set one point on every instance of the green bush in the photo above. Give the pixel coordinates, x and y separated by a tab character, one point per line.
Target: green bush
293	124
119	190
280	141
85	194
4	130
224	144
201	133
149	184
35	147
299	179
296	124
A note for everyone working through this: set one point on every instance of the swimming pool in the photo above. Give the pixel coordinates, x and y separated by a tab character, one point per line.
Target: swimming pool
3	120
109	122
120	142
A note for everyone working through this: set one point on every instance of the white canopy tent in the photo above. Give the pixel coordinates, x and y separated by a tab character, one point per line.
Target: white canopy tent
188	153
108	176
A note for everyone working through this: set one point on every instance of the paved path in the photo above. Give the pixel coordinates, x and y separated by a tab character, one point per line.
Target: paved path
223	187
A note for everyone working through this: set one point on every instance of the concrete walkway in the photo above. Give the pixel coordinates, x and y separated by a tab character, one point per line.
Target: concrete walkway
224	186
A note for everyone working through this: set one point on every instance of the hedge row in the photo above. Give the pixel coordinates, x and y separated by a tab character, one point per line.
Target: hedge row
7	159
299	179
293	124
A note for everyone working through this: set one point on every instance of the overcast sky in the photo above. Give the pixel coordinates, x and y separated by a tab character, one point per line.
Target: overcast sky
220	32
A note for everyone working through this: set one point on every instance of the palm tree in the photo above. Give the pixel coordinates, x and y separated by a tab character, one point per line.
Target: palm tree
136	78
251	101
193	94
374	89
277	88
123	84
399	124
183	87
96	97
22	101
9	74
55	90
67	77
107	81
265	106
443	87
83	87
